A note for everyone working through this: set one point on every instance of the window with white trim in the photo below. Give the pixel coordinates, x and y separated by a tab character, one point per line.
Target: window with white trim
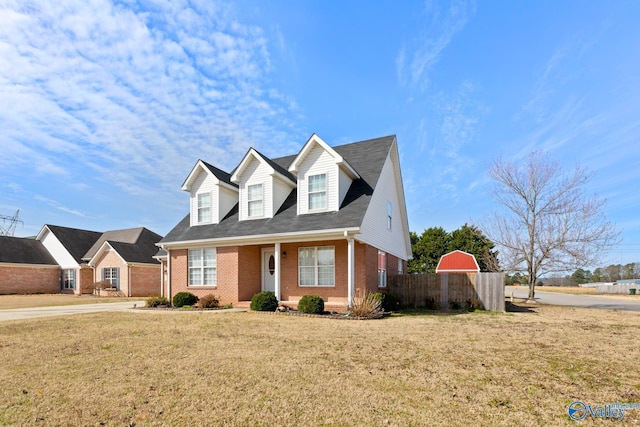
204	207
389	212
400	266
111	275
203	267
382	269
255	200
69	279
316	266
317	191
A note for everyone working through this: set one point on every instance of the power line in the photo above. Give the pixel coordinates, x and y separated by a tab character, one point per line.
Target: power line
13	221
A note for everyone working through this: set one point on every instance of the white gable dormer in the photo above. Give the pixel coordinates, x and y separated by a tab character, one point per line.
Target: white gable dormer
211	194
324	177
263	185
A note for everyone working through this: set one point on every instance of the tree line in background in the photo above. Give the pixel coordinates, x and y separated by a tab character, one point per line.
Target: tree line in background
610	273
434	242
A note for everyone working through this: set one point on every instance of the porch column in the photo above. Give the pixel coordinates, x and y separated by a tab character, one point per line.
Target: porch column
276	277
350	271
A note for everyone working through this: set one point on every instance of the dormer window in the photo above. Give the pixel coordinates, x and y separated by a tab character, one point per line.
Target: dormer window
255	200
318	192
204	207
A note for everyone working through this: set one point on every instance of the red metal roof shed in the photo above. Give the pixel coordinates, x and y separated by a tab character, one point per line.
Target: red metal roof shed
458	262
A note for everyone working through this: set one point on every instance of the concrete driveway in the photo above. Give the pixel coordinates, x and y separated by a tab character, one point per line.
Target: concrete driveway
587	301
65	310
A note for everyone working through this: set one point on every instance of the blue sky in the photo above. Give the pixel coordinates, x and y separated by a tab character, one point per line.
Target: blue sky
106	106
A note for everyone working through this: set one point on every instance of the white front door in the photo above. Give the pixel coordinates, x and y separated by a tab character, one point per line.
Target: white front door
269	270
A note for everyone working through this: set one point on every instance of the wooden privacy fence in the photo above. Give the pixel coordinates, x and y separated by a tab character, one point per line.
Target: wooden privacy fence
447	289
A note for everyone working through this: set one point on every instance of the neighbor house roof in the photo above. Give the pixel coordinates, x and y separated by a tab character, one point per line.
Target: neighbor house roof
20	250
457	262
76	241
132	244
366	157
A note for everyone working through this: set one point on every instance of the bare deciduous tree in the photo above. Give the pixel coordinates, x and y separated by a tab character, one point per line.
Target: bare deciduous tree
549	224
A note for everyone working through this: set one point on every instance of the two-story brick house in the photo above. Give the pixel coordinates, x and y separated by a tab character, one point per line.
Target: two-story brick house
329	221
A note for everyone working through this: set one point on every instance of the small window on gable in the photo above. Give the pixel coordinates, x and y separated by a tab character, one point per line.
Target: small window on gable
204	207
255	200
389	215
318	192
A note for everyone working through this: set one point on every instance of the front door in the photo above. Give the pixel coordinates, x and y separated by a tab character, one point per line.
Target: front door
269	270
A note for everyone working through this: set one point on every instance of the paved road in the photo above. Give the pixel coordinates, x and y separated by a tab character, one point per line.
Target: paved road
65	310
588	301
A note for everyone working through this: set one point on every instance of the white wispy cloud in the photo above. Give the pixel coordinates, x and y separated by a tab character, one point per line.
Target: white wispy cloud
440	24
133	92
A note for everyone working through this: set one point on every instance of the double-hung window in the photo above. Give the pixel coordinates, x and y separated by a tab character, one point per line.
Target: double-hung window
382	269
316	266
111	275
203	267
204	207
318	192
69	279
400	266
255	200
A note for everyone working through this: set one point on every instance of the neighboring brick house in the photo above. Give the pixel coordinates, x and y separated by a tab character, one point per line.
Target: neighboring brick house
329	221
123	260
27	267
70	260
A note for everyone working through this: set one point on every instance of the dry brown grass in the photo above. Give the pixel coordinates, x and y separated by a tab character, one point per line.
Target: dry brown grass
48	300
557	289
241	369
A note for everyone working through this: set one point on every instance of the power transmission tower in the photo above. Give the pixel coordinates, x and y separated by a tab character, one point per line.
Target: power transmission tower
13	221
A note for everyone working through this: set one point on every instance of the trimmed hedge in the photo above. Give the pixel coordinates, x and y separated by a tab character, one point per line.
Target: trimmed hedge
184	298
311	304
264	301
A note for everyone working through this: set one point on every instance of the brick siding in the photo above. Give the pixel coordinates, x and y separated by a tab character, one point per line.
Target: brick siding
30	279
239	274
145	280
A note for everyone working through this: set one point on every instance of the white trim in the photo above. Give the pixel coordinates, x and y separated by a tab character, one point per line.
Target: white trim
340	161
235	177
186	186
100	251
299	236
278	271
264	267
350	271
317	266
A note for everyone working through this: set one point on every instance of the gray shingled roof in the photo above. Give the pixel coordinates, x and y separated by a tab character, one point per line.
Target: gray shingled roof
20	250
133	244
220	174
366	157
76	241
